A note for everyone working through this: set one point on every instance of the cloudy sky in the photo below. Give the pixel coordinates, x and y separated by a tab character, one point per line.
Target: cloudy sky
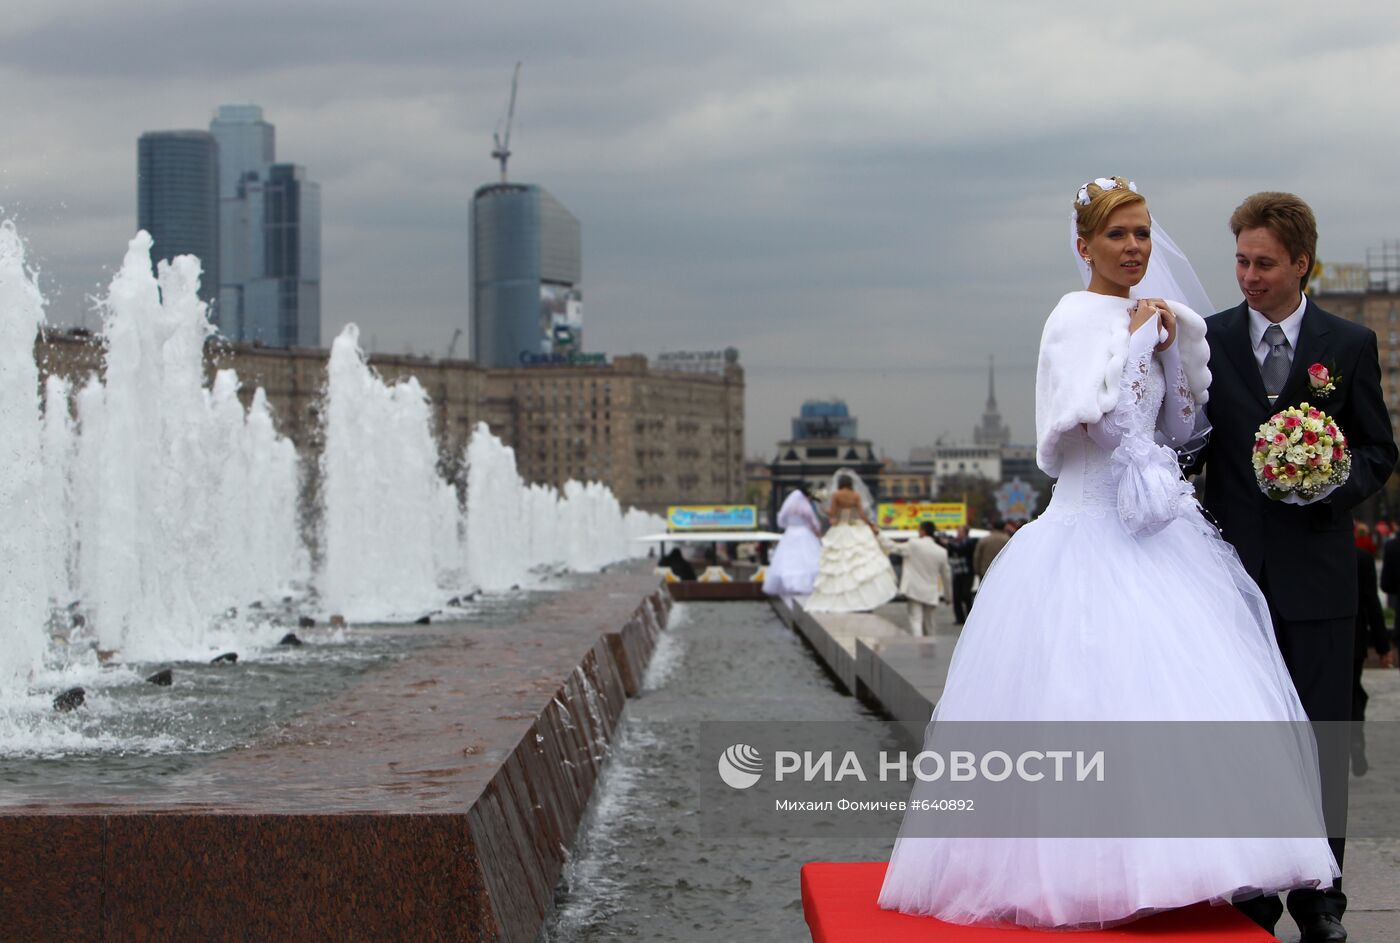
868	200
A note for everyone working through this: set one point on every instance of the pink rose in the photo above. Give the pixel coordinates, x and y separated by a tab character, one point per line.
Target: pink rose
1313	414
1260	445
1290	470
1269	472
1315	461
1337	454
1280	438
1292	422
1332	430
1309	437
1318	376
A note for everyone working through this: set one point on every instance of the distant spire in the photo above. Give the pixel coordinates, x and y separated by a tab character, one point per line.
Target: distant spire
991	431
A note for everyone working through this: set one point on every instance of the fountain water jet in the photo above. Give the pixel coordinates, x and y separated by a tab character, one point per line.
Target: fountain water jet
384	503
58	457
24	587
515	529
140	508
163	481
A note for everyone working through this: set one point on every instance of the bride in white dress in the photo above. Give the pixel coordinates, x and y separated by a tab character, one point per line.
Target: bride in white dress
1119	603
793	569
854	573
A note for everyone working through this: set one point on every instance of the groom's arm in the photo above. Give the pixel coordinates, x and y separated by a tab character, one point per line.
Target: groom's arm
1372	444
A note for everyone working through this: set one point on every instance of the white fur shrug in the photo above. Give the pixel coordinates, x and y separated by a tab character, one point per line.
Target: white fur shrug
1082	352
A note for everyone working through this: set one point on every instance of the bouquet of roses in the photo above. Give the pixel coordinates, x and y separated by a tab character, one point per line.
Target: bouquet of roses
1300	455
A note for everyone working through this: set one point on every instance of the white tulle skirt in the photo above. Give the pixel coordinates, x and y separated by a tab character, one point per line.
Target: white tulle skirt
793	569
1078	621
854	574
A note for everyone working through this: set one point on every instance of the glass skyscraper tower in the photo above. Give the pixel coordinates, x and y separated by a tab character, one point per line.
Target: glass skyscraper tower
526	269
270	234
177	199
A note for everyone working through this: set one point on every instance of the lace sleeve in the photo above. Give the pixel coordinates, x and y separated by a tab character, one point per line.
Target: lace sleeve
1108	431
1177	419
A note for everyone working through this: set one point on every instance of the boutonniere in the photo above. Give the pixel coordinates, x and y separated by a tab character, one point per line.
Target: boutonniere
1322	381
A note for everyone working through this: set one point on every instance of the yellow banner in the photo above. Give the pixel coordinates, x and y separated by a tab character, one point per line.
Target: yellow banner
906	515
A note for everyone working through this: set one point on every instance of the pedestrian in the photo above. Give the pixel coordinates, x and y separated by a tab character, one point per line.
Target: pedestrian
1390	573
960	559
927	578
1370	633
988	548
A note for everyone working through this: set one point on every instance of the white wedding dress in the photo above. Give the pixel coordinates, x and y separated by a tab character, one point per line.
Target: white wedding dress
1079	619
793	569
854	573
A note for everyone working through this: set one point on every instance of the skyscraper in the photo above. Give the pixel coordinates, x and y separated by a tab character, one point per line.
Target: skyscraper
270	227
247	144
526	269
284	309
177	199
991	431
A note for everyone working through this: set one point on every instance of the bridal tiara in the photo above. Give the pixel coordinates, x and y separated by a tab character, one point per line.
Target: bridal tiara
1105	183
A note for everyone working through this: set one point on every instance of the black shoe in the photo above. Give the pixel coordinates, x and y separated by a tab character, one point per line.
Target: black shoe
1321	928
1263	911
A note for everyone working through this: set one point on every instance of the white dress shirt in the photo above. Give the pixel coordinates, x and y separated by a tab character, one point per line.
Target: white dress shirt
1291	325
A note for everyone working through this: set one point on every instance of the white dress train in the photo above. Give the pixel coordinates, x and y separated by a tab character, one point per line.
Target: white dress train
855	575
1081	619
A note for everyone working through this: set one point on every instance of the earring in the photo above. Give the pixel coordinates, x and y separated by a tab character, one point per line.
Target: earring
1089	262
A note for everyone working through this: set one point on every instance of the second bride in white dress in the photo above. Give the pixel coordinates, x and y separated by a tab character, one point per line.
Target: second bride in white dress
854	573
793	569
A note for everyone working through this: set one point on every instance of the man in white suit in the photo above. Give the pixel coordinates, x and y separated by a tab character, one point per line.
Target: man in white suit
927	579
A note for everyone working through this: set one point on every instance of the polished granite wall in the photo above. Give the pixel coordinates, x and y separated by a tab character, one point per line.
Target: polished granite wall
434	800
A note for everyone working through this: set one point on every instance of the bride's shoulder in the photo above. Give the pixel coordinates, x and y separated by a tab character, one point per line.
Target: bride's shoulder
1086	302
1078	310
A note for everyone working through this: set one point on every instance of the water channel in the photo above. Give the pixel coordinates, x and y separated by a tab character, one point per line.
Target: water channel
645	866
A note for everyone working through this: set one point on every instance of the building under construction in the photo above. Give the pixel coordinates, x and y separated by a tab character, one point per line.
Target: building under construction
1369	294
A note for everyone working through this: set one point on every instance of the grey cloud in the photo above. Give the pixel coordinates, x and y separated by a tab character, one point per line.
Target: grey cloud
867	201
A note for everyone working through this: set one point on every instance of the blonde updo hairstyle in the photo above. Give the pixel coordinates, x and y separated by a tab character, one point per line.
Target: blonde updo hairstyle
1091	219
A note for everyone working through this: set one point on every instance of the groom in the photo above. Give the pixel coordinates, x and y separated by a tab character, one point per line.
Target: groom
1302	557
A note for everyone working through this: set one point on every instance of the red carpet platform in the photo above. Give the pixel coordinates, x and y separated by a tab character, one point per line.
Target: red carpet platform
838	899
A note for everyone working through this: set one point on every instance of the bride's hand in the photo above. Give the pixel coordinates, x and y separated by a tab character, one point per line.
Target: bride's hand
1143	312
1168	323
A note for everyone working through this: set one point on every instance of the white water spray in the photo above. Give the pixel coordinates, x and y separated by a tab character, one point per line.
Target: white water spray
383	500
24	584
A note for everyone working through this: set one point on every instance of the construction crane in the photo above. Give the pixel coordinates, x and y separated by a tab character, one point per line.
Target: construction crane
452	345
502	151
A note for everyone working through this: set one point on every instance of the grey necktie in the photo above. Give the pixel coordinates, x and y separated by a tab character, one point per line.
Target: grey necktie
1276	361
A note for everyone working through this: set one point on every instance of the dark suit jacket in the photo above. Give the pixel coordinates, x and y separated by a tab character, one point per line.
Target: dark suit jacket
1304	554
1390	567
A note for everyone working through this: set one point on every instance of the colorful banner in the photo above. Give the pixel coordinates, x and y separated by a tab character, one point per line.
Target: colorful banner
906	515
712	517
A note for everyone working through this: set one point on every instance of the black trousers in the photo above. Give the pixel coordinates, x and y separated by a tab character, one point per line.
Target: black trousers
1319	659
962	596
1359	697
